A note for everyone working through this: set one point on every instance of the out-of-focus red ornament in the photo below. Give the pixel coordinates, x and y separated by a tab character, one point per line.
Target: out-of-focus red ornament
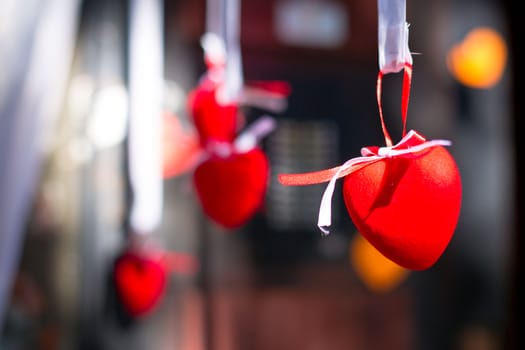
406	206
140	281
232	177
231	187
213	119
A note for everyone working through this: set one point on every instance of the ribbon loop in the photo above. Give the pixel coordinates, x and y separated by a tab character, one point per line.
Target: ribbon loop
405	95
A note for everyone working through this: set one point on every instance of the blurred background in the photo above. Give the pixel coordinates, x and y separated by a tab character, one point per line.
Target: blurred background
275	283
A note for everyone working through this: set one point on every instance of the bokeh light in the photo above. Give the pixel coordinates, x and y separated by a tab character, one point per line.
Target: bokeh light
479	60
378	273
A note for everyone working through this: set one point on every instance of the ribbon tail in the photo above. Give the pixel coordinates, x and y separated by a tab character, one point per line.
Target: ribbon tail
310	178
256	97
317	177
249	138
325	209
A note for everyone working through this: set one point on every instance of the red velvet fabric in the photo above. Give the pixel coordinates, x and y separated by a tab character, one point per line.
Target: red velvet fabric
140	282
407	206
231	189
212	120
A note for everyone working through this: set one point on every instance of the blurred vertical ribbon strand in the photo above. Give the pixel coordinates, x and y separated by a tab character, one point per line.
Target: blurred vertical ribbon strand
221	41
234	75
34	78
145	112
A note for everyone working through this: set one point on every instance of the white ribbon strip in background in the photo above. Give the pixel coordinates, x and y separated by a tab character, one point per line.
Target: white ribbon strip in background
145	107
221	42
234	73
37	41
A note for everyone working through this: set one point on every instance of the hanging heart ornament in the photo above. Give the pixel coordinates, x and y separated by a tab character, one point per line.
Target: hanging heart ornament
231	187
405	199
140	281
213	120
407	206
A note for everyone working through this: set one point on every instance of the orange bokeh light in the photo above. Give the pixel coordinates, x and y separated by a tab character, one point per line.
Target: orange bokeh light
377	272
479	60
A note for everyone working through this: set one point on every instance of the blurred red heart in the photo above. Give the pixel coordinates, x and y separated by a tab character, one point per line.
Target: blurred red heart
231	189
213	120
407	207
140	281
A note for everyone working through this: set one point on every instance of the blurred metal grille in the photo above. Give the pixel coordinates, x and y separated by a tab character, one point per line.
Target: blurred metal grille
295	147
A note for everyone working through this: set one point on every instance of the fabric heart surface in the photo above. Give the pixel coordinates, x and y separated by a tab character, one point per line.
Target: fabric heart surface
140	281
406	206
213	120
232	188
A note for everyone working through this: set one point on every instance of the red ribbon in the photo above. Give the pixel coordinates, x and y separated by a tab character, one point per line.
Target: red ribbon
405	94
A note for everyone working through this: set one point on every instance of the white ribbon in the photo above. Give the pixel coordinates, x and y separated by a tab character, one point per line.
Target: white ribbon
250	137
221	45
392	33
214	49
245	142
369	157
234	76
146	69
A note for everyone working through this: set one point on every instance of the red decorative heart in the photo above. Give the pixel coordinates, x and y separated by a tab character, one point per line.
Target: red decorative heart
407	206
231	189
212	119
140	281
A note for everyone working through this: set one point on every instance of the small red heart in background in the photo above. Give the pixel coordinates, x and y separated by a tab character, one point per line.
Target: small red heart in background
407	207
231	189
212	120
140	282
